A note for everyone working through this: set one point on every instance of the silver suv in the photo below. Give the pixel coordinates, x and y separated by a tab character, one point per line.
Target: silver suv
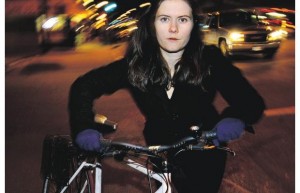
239	31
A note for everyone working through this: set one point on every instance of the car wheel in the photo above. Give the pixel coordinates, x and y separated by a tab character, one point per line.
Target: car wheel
224	48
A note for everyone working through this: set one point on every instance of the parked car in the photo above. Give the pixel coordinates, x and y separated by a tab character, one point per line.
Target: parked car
239	31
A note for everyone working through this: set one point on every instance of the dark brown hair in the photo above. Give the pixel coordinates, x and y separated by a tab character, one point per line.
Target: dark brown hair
146	64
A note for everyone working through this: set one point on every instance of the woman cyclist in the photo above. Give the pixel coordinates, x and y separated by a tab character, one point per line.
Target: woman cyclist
174	79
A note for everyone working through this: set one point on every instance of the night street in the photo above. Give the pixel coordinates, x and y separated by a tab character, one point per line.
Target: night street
36	94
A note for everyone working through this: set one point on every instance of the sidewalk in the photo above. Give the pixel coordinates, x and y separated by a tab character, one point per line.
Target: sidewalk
15	52
21	45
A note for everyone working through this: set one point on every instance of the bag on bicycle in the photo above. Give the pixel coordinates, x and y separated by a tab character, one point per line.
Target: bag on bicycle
56	158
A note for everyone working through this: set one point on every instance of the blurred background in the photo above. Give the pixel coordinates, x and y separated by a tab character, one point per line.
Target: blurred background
50	43
37	25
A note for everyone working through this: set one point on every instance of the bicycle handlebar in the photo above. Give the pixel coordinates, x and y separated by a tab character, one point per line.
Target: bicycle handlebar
149	149
187	143
195	142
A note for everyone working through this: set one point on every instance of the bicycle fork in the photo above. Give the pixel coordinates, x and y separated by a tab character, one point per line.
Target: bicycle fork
163	178
96	187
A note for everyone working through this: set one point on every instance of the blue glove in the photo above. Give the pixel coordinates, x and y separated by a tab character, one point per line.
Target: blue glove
228	129
89	140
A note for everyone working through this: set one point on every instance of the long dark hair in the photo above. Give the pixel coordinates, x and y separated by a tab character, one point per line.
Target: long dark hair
146	64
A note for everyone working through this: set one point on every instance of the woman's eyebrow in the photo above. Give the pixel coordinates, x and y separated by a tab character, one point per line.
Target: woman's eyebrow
186	16
164	15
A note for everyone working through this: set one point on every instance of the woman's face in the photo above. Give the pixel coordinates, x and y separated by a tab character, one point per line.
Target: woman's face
173	25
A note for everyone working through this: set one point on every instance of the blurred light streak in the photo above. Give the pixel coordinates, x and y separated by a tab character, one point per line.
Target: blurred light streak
110	7
86	2
101	4
280	111
102	16
90	7
145	4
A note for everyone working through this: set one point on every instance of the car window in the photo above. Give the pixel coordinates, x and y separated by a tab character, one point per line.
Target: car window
202	20
213	22
237	19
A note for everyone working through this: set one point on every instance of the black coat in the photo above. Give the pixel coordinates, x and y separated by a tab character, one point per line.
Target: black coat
168	120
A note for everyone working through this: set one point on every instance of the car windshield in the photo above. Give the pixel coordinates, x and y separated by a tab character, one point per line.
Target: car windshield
237	19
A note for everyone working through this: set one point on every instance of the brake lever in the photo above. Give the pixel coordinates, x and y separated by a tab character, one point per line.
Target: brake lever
208	147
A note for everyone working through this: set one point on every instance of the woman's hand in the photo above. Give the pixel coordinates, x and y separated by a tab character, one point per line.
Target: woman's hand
89	140
228	129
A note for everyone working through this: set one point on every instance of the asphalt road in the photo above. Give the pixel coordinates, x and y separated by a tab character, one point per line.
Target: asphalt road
36	93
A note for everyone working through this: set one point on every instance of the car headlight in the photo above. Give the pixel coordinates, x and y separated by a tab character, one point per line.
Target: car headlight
275	35
236	37
50	23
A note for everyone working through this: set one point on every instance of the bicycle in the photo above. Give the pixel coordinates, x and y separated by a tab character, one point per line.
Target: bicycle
79	171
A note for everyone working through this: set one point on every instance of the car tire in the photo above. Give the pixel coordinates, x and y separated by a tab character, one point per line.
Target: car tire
224	48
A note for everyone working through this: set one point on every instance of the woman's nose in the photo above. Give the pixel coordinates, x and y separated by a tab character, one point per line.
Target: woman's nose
173	28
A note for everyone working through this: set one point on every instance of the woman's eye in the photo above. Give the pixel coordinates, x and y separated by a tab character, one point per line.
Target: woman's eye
164	19
183	19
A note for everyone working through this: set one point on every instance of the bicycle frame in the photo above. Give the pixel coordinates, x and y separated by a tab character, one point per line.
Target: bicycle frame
163	178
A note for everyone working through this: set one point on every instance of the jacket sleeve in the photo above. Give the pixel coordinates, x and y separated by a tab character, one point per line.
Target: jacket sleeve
88	87
244	102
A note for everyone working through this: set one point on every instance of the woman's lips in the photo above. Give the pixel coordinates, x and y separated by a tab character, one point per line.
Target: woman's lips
172	39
